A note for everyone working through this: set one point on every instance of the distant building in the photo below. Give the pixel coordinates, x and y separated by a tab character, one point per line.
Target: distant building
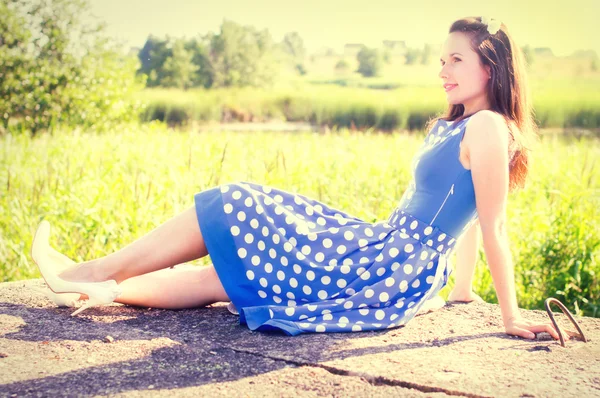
584	54
351	49
324	51
396	47
543	51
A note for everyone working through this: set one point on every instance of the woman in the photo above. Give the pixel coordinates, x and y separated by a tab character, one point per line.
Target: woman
290	263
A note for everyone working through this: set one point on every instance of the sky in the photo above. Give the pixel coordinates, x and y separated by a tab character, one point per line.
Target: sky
564	26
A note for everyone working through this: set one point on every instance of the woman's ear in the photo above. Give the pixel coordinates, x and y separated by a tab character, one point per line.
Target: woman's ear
489	71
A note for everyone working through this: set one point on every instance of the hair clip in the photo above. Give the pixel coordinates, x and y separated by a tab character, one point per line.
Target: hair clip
493	25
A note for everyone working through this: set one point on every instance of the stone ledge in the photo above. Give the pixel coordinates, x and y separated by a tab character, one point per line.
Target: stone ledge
460	349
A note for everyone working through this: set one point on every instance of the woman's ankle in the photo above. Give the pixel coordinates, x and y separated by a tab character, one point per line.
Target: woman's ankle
89	271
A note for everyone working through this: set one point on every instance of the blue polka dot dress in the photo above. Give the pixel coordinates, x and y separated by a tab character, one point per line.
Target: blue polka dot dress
292	264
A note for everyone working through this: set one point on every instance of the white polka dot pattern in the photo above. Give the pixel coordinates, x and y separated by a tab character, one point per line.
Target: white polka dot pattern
336	272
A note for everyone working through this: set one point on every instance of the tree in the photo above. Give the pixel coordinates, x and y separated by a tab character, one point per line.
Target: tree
200	50
426	54
163	59
387	56
370	62
153	56
412	55
56	70
529	54
242	56
179	68
293	46
342	66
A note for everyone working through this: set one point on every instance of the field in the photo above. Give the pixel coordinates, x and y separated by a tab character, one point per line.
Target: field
354	103
102	191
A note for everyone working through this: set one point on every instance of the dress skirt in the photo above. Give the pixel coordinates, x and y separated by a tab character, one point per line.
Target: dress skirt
292	264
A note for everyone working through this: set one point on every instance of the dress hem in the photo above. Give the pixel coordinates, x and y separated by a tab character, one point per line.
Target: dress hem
219	243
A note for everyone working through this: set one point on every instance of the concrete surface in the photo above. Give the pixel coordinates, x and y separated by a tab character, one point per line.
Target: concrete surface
116	350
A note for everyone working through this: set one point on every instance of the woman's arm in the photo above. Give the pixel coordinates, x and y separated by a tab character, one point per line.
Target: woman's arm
486	139
487	146
467	248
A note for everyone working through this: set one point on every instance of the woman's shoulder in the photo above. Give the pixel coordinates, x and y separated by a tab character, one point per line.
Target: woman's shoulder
487	116
484	127
489	121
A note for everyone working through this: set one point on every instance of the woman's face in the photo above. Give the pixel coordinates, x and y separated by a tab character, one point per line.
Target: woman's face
464	70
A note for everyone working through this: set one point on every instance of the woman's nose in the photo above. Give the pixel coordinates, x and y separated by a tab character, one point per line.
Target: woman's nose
443	74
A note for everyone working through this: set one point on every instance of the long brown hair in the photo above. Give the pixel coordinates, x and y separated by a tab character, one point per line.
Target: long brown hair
507	91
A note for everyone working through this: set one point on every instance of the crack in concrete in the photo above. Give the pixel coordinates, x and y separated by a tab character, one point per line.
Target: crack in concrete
373	380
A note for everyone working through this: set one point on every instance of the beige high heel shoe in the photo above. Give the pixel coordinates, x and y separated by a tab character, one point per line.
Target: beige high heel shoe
98	292
61	263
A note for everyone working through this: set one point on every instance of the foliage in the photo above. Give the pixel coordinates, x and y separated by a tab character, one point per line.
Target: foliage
387	56
370	62
554	232
102	191
152	57
200	49
529	55
412	55
242	56
293	46
48	77
572	106
426	54
179	68
342	66
237	56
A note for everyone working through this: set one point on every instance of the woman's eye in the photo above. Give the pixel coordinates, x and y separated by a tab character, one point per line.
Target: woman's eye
442	62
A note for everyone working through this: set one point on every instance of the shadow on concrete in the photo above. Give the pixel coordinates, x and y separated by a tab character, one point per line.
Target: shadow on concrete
206	347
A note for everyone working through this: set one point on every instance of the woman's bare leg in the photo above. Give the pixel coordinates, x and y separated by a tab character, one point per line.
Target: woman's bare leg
185	286
176	241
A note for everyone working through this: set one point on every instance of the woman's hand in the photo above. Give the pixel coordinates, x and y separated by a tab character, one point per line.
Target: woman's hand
518	326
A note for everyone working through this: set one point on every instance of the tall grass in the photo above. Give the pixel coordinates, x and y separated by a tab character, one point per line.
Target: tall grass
102	191
556	240
560	103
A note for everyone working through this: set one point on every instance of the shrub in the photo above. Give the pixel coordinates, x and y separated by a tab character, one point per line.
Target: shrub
47	78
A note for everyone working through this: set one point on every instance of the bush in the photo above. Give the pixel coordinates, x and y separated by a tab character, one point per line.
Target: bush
390	119
48	79
342	66
370	62
562	261
418	119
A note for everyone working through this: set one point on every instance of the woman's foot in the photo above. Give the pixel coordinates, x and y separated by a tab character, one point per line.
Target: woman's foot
46	259
469	296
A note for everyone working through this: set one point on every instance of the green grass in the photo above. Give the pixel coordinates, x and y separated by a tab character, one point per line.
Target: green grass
102	191
558	103
564	93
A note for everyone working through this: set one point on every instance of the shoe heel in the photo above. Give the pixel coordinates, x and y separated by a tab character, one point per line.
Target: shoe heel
105	293
92	301
83	307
